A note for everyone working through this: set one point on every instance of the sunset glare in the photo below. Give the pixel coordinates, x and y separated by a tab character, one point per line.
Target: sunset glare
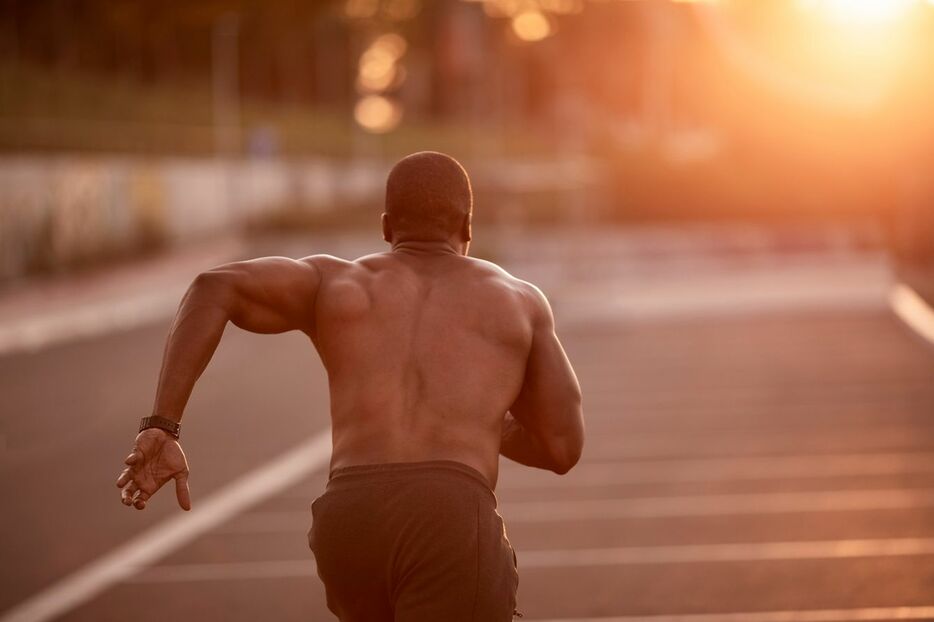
860	13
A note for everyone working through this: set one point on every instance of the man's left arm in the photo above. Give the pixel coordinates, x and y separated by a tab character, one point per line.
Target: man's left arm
269	295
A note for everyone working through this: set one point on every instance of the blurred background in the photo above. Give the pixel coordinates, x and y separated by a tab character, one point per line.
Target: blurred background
730	204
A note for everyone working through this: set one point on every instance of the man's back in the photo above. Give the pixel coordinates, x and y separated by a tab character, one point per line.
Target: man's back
438	364
425	353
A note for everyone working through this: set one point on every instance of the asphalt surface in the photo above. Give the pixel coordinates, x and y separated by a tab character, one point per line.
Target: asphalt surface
778	459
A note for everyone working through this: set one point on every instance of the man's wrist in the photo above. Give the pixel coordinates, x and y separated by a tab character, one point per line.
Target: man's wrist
173	428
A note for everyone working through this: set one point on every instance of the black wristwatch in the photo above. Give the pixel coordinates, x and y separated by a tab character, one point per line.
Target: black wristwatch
172	427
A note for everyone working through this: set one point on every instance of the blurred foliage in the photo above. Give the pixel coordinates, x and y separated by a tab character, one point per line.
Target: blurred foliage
43	110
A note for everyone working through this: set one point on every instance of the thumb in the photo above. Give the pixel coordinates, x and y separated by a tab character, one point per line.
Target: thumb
182	492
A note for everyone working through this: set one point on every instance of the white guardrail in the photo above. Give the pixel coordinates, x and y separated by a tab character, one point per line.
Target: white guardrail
57	211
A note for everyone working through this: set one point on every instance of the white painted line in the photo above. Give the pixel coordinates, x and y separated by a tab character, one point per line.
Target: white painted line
157	542
595	474
707	289
648	507
717	505
876	614
699	553
736	443
567	558
91	320
235	571
913	311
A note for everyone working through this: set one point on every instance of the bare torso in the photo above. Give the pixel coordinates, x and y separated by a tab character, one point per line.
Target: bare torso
425	354
430	355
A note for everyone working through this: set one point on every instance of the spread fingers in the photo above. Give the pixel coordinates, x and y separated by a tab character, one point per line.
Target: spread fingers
128	492
139	501
124	478
134	457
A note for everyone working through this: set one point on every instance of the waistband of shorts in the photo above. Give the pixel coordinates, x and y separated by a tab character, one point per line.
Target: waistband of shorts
392	470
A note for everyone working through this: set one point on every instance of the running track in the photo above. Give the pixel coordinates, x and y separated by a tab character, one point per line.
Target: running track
760	449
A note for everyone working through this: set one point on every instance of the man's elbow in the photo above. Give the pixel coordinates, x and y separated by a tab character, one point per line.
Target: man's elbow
213	287
567	452
567	458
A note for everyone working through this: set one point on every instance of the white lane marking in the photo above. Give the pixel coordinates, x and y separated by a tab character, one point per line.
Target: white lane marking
566	558
912	310
44	315
91	320
717	505
234	571
594	474
157	542
697	553
878	438
703	291
877	614
649	507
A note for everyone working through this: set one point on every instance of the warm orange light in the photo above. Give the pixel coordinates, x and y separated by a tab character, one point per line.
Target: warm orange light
860	12
531	25
561	7
501	8
377	114
360	9
379	67
400	10
391	43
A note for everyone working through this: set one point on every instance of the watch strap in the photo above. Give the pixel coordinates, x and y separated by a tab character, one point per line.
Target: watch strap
172	427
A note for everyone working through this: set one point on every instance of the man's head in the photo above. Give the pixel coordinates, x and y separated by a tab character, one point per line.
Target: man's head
428	198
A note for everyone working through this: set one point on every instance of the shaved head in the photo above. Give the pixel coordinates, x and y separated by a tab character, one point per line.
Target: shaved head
428	197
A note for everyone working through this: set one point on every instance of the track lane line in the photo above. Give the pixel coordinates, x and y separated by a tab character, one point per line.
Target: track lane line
577	558
596	474
747	504
819	615
913	311
162	539
717	505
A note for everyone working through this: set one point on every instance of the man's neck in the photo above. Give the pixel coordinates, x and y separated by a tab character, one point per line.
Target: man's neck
428	247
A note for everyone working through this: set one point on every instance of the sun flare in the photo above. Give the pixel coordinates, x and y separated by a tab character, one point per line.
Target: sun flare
860	13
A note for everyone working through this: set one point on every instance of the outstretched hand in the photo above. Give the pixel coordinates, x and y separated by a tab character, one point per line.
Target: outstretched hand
157	457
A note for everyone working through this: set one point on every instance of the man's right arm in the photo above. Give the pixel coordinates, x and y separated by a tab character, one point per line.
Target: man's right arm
545	425
270	295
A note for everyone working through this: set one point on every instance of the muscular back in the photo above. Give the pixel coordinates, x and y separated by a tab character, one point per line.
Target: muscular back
425	354
430	354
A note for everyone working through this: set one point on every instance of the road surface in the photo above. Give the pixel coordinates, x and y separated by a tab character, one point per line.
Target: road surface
760	440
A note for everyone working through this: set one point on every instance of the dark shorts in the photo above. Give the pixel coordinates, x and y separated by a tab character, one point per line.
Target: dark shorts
413	542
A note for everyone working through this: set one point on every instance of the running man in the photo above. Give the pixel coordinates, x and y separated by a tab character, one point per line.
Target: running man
437	363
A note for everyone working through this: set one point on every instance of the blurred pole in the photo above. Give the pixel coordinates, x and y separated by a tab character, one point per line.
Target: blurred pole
361	141
225	59
225	50
658	73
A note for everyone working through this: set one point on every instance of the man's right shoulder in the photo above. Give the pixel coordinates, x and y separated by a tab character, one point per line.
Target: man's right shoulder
328	265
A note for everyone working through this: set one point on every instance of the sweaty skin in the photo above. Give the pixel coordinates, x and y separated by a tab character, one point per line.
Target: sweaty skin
430	355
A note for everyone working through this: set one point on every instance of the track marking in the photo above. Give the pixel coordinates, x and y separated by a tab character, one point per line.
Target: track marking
46	315
819	615
85	321
567	558
717	505
913	311
170	535
699	553
659	445
649	507
234	571
595	474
